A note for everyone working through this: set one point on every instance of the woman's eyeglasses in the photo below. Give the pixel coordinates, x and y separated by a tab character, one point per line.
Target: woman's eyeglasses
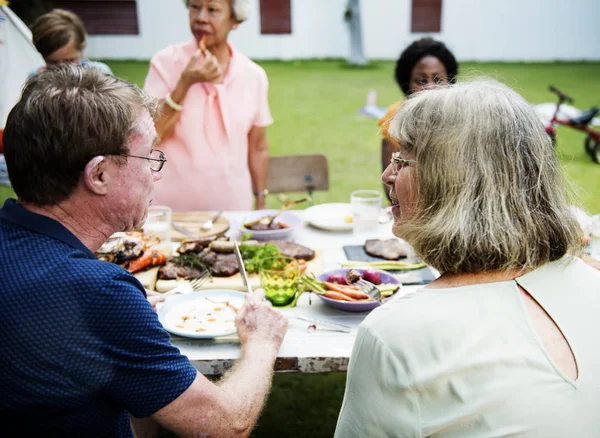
157	159
398	163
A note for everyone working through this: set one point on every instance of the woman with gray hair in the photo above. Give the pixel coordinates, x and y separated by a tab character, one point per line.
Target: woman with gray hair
213	114
503	343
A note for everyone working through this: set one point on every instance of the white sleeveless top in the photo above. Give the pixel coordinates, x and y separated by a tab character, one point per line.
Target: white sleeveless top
466	362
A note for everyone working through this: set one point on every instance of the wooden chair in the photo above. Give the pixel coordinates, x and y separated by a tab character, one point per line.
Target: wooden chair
298	173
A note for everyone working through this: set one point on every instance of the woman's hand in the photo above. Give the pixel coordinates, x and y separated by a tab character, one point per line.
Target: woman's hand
591	261
206	70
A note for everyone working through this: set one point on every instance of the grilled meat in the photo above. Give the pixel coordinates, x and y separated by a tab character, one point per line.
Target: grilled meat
225	265
194	245
171	271
294	250
352	276
390	249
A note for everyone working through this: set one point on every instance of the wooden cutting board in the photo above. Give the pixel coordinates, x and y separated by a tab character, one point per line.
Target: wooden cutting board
194	220
235	282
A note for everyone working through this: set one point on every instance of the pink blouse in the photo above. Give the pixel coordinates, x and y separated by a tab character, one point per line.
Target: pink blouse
207	155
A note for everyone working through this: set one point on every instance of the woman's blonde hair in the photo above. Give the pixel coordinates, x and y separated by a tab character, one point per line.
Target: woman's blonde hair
239	8
56	29
489	186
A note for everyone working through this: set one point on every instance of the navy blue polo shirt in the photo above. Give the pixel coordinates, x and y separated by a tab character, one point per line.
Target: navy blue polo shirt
81	347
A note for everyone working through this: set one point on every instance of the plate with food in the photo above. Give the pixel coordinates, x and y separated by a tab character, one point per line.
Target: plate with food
202	315
336	291
216	255
268	225
140	253
330	217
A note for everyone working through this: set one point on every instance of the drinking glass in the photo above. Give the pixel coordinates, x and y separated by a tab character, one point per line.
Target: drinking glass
158	222
279	279
365	206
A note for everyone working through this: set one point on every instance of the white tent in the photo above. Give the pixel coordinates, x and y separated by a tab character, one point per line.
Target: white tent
18	58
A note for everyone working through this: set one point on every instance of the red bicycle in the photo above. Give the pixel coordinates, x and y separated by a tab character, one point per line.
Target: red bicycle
581	123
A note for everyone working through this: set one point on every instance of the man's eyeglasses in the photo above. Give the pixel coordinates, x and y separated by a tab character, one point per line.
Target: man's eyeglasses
398	163
157	159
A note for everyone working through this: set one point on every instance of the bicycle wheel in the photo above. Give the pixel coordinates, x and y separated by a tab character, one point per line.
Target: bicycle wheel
596	152
589	145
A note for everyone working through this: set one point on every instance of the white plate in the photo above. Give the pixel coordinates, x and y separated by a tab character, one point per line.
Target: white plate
193	316
331	217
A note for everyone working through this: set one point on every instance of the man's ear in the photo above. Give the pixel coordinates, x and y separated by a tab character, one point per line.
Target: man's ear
95	175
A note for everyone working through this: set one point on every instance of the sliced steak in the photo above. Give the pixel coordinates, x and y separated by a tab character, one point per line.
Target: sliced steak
294	250
225	265
170	271
194	245
390	249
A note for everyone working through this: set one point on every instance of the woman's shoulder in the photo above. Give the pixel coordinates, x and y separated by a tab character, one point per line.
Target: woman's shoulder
174	52
248	66
411	324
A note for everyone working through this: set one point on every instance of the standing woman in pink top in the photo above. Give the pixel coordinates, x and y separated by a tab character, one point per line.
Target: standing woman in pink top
213	115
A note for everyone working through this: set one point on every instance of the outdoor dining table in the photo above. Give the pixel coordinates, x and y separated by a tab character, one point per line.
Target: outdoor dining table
303	350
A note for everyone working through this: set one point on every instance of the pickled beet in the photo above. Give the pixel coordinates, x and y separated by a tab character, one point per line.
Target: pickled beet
372	276
337	278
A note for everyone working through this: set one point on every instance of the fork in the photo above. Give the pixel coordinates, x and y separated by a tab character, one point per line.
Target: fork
209	223
193	285
370	289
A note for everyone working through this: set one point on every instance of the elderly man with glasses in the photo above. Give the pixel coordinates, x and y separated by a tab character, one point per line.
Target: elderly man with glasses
82	348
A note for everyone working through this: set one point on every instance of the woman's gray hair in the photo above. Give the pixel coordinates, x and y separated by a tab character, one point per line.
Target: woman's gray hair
490	192
240	8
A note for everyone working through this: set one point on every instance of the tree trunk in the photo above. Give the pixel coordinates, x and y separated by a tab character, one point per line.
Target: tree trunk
357	56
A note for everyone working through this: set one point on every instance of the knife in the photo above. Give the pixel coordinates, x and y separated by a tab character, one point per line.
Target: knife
242	268
184	230
326	324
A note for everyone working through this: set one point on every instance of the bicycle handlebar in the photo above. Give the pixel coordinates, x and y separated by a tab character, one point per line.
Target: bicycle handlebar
562	96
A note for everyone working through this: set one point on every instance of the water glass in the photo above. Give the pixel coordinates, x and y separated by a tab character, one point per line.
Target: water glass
365	206
279	278
158	222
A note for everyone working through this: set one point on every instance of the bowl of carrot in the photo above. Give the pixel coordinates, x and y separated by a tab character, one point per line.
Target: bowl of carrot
349	298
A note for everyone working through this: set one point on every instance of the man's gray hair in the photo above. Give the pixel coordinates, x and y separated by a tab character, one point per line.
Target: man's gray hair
67	115
240	9
490	192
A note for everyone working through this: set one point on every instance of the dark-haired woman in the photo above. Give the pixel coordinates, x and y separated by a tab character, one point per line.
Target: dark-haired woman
426	63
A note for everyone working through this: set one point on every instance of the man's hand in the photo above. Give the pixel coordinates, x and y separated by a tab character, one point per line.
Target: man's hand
257	320
206	69
154	298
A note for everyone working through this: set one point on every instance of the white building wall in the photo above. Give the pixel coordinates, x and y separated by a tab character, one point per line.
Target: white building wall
478	30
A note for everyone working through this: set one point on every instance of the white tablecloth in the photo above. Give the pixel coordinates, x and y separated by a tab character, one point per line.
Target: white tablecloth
301	351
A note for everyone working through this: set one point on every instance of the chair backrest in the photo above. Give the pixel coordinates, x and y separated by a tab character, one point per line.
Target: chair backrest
298	173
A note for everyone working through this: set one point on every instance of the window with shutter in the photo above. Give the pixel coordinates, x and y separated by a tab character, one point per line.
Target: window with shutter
104	17
275	17
426	16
